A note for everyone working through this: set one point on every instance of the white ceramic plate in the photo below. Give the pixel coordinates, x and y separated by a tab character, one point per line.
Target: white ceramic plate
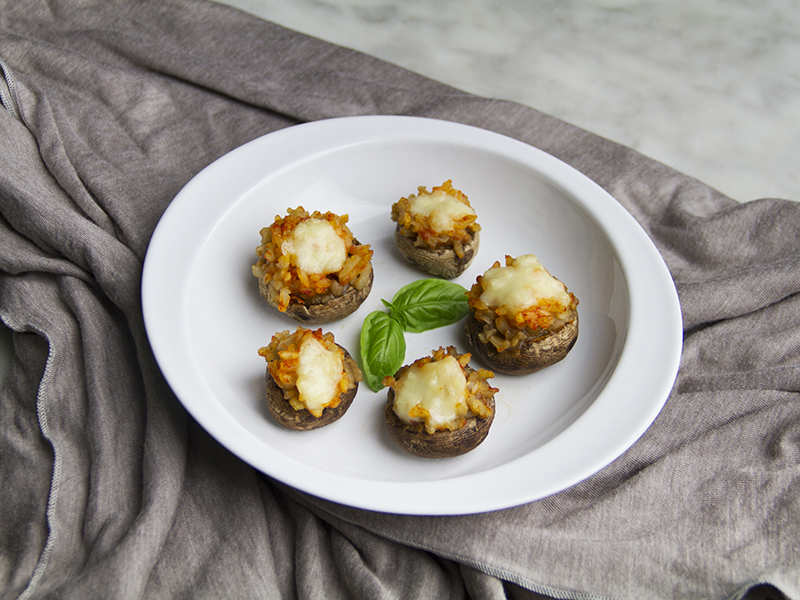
206	320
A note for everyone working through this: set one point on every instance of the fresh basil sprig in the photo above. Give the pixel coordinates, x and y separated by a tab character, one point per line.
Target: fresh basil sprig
419	306
428	304
383	348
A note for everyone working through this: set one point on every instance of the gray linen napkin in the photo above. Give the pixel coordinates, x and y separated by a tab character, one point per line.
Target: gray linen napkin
109	490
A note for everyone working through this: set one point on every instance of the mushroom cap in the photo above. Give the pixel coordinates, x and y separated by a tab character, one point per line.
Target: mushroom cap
440	444
442	262
531	355
302	420
324	312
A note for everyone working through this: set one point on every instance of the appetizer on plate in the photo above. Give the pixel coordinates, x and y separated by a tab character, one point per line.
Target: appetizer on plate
312	268
311	380
438	406
522	319
437	230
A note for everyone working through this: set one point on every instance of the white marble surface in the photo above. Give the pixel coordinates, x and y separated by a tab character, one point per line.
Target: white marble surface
710	87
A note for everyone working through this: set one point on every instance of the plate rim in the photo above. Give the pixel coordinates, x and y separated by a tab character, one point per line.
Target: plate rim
338	133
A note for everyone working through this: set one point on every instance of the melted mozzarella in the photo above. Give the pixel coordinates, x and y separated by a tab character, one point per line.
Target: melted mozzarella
315	247
319	371
441	209
438	388
522	285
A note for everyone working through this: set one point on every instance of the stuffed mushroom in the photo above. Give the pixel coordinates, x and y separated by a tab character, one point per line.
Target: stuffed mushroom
522	319
311	268
437	230
311	381
438	406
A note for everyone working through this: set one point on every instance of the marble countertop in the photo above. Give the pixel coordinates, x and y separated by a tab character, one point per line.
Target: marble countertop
710	88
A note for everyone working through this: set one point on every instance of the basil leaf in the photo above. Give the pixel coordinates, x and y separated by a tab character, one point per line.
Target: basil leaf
383	348
429	303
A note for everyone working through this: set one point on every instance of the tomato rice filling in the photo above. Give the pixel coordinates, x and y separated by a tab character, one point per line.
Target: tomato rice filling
428	231
283	356
506	328
281	271
477	393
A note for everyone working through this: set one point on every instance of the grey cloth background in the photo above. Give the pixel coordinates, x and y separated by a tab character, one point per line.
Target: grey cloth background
109	489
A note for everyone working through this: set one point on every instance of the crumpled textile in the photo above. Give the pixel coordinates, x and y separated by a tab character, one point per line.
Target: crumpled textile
110	490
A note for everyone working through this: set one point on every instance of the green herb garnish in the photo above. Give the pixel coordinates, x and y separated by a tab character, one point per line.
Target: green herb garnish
419	306
383	348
